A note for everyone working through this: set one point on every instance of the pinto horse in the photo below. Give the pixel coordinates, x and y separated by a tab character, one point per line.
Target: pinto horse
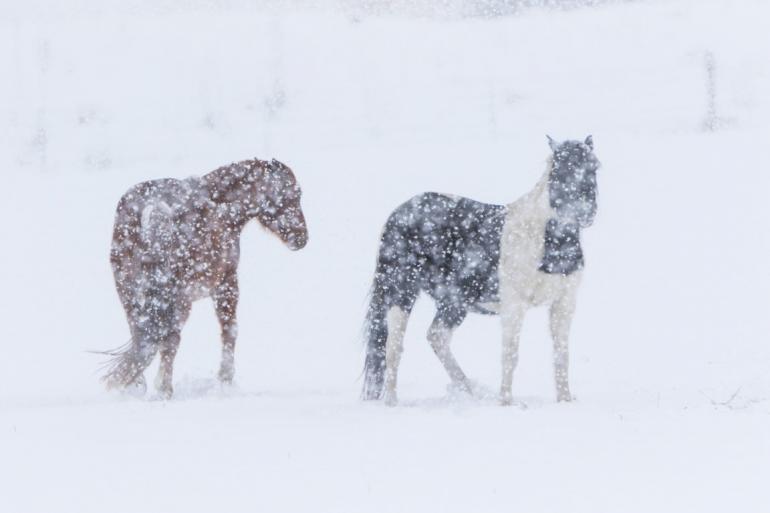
176	241
490	259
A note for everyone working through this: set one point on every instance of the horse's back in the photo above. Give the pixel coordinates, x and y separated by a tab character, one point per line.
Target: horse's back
437	210
447	245
150	191
432	220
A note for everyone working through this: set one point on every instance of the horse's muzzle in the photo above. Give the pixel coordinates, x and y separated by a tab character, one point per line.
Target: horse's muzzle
297	242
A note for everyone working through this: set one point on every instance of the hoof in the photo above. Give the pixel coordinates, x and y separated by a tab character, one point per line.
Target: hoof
370	395
390	399
226	376
137	388
163	386
564	398
506	399
463	386
164	389
165	393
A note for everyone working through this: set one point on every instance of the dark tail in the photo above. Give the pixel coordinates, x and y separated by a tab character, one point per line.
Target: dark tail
375	337
155	297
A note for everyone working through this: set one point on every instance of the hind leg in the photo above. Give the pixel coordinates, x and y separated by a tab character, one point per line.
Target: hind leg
440	336
164	379
129	374
168	350
126	369
226	302
396	319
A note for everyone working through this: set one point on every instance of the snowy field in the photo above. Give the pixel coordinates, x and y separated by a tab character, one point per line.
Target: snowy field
369	106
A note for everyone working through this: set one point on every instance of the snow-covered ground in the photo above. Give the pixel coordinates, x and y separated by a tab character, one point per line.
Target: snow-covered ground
670	348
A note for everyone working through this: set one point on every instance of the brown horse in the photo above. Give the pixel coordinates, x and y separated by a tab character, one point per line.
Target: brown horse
176	241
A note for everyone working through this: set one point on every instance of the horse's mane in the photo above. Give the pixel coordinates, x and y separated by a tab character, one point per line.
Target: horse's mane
235	176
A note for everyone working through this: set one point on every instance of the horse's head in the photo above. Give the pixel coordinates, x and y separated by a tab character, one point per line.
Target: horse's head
572	181
277	200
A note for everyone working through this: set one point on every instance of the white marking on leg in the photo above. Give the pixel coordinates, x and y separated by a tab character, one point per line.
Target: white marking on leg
512	319
561	314
396	323
440	337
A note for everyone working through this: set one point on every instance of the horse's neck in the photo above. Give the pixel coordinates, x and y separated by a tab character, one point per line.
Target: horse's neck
227	195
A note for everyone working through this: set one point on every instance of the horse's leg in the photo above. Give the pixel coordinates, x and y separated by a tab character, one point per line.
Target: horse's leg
394	346
168	349
164	379
225	297
440	337
560	319
512	318
129	363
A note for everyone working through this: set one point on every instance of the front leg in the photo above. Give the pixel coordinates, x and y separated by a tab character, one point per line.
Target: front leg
512	318
560	319
225	297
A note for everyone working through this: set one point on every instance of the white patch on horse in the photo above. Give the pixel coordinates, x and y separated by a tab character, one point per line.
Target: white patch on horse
159	208
523	286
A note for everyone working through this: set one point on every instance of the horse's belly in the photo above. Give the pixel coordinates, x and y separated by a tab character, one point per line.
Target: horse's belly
490	308
550	287
199	275
197	291
198	280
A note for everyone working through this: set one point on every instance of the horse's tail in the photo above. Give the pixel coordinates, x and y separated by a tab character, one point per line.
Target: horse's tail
153	294
375	338
395	284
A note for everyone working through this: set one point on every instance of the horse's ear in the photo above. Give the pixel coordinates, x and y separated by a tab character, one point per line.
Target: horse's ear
553	144
590	142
